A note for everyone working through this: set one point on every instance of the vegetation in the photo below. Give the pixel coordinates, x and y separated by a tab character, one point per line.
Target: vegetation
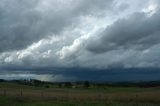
81	93
6	101
82	84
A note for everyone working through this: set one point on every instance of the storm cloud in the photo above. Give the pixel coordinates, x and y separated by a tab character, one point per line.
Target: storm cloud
25	22
136	32
61	37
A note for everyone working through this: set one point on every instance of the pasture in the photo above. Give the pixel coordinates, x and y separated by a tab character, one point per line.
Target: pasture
12	94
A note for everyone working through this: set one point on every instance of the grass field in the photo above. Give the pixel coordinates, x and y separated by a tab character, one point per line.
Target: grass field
12	94
10	101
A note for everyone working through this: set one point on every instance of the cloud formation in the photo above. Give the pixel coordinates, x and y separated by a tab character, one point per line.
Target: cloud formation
25	22
92	34
136	32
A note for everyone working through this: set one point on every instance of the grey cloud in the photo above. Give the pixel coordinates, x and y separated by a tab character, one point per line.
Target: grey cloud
123	7
129	42
137	32
24	22
17	19
93	6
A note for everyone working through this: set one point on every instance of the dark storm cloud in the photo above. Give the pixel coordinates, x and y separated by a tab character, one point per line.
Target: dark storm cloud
137	32
24	22
17	19
61	40
82	74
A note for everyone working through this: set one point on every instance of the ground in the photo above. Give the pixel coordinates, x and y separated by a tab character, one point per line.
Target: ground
12	94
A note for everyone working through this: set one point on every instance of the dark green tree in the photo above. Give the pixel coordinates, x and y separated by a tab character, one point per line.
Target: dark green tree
68	84
86	84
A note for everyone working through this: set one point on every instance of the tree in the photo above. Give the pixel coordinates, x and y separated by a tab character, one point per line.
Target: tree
59	85
47	86
68	84
86	84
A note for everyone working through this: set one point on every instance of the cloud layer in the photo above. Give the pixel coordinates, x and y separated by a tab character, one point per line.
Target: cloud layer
93	34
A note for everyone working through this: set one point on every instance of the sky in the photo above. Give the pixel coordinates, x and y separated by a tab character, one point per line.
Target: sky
68	40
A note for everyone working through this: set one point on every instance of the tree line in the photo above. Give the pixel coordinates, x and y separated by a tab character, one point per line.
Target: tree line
83	84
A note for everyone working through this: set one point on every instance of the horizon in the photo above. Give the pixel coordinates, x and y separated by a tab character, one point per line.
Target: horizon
73	75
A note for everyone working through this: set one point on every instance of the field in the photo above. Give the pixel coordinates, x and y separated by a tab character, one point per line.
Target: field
12	94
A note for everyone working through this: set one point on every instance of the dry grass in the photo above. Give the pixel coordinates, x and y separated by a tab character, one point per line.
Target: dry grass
81	95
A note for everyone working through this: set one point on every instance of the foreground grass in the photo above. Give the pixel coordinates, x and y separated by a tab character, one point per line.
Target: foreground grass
12	94
10	101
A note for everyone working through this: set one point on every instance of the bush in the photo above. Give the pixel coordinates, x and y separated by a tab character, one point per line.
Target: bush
68	84
86	84
47	86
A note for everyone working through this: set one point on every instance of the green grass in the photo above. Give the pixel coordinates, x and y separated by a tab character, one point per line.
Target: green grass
13	97
8	85
9	101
